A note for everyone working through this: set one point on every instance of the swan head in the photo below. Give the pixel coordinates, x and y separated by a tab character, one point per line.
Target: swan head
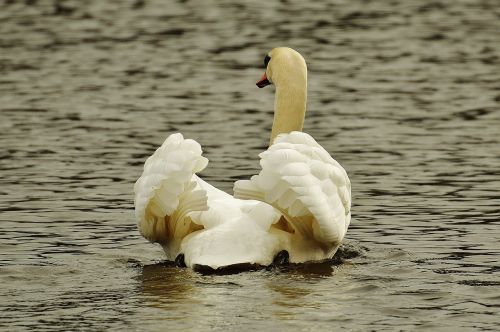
284	66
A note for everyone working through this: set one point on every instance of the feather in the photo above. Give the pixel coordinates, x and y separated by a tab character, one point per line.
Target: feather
301	179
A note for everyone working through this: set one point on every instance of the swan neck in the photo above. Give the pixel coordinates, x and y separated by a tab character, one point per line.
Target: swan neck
289	108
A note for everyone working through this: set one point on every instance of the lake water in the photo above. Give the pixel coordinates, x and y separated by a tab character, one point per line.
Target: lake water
404	94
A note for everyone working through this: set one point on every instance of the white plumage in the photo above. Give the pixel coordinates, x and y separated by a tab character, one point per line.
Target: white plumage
299	202
309	188
180	211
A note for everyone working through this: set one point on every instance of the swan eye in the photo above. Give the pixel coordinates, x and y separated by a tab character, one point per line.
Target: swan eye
266	60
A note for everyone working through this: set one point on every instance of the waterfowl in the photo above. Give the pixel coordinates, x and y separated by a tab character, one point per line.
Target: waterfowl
296	209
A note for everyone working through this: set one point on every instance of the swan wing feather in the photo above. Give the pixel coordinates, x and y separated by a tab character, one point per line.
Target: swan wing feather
302	180
167	194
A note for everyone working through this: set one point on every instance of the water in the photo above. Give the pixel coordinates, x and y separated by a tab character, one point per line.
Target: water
404	94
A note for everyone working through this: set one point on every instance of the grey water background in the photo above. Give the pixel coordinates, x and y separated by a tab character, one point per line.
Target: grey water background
404	94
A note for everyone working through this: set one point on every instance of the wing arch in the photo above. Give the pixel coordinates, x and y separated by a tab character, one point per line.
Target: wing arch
311	189
167	192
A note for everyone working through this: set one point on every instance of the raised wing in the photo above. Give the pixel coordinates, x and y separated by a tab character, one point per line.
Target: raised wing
306	184
167	192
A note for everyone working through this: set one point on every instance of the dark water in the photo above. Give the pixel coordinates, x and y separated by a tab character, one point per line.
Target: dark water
404	94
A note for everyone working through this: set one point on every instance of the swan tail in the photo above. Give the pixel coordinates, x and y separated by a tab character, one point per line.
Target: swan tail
167	191
301	180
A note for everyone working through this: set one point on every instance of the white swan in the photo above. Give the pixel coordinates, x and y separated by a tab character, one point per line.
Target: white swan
298	206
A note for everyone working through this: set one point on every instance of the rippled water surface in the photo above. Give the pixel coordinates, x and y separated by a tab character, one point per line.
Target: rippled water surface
404	94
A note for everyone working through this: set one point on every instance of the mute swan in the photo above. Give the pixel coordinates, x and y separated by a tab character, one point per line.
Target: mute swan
296	209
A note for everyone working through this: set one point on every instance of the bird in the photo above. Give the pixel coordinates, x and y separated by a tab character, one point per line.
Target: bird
296	209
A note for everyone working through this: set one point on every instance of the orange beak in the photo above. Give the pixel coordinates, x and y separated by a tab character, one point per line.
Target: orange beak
263	81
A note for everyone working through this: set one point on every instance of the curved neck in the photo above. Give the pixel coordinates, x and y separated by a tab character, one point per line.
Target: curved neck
289	107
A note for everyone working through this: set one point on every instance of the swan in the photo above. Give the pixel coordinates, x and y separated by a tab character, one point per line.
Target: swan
296	209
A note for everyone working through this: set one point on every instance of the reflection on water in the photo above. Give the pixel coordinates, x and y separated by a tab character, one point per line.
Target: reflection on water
283	291
167	283
404	94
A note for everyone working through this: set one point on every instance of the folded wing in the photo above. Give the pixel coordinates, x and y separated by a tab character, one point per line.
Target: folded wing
310	188
167	193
